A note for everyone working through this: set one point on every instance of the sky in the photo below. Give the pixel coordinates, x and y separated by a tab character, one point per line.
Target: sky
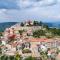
23	10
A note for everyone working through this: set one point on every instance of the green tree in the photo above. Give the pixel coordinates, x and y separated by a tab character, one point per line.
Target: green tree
35	23
17	56
30	58
43	55
45	26
55	32
1	34
0	50
3	57
21	31
11	58
22	24
38	33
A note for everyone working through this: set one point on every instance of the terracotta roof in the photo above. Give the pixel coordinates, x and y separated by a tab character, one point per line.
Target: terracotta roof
40	40
12	36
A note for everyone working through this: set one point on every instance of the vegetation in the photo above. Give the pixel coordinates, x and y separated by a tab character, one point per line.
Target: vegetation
38	33
0	51
21	31
30	58
5	25
1	34
48	32
45	26
26	51
55	31
43	56
11	57
17	56
35	23
40	23
22	24
4	57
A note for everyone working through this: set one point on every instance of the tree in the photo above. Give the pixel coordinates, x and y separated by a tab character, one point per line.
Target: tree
40	23
45	26
1	34
55	32
43	55
0	42
11	58
17	56
22	24
20	32
38	33
30	58
3	57
35	23
0	50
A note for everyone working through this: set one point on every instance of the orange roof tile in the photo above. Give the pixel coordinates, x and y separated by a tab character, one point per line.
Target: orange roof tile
38	39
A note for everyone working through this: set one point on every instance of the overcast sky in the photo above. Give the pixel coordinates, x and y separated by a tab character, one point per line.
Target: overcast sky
20	10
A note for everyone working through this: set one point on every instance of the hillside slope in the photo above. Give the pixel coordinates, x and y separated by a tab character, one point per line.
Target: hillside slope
5	25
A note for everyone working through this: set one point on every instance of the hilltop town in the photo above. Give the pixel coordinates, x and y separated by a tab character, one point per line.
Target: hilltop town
30	39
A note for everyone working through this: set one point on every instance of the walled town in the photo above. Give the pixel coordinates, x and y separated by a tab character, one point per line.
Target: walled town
20	41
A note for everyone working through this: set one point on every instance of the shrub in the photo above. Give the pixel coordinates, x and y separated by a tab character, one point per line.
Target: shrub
4	57
26	51
30	58
17	56
11	57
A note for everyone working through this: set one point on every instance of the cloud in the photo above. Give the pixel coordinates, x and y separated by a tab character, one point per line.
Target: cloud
36	3
2	11
49	2
18	10
20	4
8	4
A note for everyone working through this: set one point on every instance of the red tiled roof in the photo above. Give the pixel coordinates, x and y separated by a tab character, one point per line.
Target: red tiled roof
39	40
12	36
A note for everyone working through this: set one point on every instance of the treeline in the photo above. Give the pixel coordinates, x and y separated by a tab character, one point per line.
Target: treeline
48	32
33	23
55	31
38	33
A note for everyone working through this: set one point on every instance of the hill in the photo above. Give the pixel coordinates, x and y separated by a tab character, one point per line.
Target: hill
5	25
53	25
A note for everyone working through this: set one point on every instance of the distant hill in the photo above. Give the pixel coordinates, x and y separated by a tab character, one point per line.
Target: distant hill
52	25
5	25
